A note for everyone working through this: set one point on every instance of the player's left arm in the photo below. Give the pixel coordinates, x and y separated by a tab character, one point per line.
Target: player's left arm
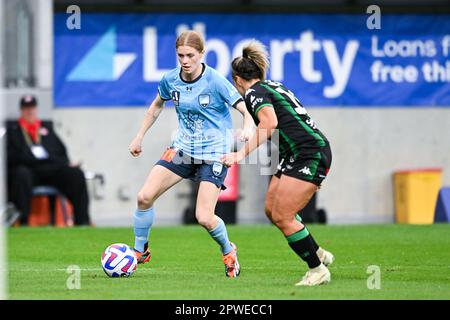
268	122
248	121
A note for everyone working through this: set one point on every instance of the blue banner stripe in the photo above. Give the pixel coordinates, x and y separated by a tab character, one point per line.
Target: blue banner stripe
326	60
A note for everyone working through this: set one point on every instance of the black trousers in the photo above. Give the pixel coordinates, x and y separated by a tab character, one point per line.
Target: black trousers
68	180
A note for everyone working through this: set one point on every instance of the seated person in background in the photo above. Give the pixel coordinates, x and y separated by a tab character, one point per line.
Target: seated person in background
36	156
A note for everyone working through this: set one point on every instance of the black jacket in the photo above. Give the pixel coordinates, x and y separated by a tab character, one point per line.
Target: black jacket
19	153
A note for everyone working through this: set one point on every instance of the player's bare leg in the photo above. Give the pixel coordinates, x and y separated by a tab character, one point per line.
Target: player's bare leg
159	180
325	257
292	195
270	196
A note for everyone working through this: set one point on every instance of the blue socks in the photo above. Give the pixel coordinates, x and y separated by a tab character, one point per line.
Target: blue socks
219	234
142	222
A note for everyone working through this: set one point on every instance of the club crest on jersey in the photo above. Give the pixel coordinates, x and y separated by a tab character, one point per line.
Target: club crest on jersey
203	99
217	168
176	98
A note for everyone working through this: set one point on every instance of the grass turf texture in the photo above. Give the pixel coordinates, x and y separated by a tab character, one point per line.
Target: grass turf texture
414	262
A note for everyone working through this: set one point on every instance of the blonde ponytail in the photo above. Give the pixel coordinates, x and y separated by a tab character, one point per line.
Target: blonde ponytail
254	62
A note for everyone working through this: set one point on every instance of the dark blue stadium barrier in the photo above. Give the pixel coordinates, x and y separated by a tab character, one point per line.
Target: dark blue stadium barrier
442	211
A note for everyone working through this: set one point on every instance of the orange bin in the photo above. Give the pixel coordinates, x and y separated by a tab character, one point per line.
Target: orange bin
40	214
416	192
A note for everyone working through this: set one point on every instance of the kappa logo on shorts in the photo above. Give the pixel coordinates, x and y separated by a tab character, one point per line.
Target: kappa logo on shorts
203	99
305	171
217	168
280	165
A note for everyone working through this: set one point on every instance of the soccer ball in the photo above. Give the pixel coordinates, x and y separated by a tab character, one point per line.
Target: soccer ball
119	260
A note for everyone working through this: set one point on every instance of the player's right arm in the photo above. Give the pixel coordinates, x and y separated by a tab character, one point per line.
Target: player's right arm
259	105
151	115
268	122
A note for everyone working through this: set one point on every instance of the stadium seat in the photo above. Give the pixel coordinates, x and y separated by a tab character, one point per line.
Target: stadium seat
50	207
442	211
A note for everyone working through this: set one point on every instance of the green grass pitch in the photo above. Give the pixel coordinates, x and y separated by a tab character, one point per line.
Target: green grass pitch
414	263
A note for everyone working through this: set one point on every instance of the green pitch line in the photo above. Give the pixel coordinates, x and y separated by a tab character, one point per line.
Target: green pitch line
414	263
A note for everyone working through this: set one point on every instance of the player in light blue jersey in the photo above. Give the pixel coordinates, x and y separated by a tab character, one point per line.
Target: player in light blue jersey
203	109
202	99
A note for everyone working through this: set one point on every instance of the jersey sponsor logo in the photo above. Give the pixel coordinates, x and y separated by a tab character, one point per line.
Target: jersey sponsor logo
203	100
254	101
176	98
305	171
217	168
192	121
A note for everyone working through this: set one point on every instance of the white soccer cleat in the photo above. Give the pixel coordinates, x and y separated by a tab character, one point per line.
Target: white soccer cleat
325	257
315	277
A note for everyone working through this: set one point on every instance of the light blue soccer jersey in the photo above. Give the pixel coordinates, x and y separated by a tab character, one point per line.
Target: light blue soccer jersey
203	109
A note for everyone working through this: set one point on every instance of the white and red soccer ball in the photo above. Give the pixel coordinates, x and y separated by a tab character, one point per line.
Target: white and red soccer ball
119	260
